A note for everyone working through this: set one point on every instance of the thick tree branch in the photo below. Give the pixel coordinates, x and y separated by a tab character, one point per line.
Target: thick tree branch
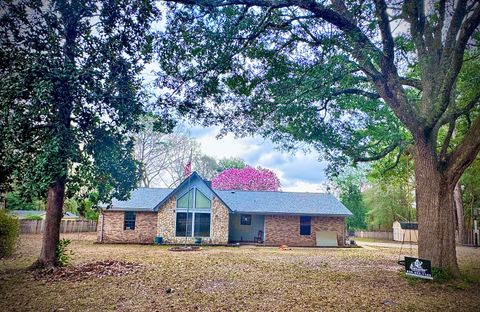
411	82
395	164
387	38
413	10
453	114
455	24
441	20
452	57
446	141
380	155
371	95
464	153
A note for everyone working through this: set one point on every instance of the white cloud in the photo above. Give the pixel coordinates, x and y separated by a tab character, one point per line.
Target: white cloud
298	172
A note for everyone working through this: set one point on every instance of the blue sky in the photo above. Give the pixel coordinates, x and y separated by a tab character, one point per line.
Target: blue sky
298	172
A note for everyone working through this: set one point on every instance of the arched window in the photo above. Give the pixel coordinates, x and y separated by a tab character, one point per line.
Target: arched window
193	212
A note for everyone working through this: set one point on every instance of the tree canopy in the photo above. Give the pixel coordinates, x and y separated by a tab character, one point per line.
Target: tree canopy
71	93
356	80
246	179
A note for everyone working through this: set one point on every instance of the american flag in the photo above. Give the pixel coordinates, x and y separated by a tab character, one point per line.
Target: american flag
188	168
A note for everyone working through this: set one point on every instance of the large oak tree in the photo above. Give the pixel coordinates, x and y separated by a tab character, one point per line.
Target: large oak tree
356	79
70	95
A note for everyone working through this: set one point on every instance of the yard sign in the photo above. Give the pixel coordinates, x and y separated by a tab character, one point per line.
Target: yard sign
420	268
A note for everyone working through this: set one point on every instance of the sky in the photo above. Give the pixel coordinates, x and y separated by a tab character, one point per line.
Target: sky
298	172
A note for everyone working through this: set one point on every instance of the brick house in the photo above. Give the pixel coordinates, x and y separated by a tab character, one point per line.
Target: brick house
194	210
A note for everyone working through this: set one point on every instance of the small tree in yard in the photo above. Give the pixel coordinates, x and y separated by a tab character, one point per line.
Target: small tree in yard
9	230
357	80
246	179
349	186
69	96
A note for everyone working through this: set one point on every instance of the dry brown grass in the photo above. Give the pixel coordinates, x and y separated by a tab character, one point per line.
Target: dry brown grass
234	279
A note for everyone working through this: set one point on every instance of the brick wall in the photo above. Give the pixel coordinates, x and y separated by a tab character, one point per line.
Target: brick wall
286	230
110	228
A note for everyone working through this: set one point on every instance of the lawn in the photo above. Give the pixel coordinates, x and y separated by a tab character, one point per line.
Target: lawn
232	279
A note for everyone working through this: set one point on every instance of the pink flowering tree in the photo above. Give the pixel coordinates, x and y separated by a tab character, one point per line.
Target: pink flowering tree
246	179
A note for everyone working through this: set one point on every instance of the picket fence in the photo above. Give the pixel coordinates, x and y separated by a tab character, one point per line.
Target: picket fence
66	226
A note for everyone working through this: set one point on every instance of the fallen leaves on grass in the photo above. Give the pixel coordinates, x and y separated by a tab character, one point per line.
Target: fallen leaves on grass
235	279
186	248
98	269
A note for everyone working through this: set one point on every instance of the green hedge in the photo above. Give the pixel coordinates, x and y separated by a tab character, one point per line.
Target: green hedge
33	217
9	230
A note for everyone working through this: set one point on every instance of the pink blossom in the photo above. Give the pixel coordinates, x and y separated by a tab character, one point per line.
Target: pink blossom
247	179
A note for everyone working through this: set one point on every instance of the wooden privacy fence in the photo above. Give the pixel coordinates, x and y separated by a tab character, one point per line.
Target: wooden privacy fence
387	235
468	238
66	226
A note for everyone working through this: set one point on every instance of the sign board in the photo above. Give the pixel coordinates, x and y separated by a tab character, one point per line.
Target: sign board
420	268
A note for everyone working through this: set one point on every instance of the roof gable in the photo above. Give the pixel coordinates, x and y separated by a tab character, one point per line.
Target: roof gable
253	202
193	181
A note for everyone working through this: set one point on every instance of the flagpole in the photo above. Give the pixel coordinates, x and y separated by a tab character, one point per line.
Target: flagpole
188	206
189	166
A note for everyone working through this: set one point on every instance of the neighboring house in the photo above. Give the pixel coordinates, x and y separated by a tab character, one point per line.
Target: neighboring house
194	210
405	231
25	214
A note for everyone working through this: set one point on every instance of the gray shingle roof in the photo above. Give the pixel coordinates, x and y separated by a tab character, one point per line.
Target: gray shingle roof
26	213
142	199
283	203
254	202
21	214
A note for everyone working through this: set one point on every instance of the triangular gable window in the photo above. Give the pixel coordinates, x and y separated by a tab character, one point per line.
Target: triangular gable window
186	201
201	201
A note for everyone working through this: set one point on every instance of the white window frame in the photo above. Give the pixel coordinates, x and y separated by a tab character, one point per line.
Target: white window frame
193	210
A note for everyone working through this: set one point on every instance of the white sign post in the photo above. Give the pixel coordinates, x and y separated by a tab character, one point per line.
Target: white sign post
475	227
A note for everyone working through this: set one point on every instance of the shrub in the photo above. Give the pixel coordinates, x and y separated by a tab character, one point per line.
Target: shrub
33	217
62	254
9	230
441	276
14	201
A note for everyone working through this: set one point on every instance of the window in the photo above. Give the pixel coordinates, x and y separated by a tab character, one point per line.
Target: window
186	201
201	201
197	222
129	220
305	225
245	219
184	221
202	224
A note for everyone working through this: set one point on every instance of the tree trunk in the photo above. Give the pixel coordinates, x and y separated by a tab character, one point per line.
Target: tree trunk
435	211
457	197
51	231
